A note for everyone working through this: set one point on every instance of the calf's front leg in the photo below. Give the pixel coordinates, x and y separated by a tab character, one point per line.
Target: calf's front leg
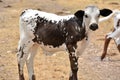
73	62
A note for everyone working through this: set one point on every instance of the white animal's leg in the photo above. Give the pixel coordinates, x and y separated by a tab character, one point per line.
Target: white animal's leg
30	60
106	44
112	35
23	51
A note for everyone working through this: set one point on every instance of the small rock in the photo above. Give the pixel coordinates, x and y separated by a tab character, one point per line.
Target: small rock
2	41
7	6
54	54
63	12
59	13
114	3
67	12
9	51
39	9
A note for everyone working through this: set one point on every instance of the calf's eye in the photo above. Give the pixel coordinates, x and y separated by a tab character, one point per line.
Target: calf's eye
86	16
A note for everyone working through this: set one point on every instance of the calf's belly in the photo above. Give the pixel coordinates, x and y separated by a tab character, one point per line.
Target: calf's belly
49	49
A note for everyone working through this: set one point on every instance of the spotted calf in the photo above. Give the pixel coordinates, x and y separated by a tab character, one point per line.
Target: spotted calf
55	33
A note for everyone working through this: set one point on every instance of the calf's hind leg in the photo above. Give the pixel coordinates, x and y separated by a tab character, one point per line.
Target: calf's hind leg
30	60
23	51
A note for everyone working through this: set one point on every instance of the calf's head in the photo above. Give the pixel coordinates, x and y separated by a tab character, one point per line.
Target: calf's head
91	16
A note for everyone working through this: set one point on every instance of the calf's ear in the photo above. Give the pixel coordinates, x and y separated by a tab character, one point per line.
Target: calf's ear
79	14
105	12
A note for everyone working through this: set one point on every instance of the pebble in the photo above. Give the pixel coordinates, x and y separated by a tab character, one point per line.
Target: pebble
9	51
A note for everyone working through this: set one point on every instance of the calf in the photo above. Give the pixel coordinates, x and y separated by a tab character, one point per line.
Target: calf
115	34
55	33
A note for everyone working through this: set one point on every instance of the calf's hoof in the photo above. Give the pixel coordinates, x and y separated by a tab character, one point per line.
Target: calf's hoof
72	78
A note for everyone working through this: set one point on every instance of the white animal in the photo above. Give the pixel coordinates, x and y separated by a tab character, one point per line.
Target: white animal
115	34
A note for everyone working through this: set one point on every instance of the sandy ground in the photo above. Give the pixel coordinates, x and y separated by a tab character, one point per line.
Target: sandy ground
56	67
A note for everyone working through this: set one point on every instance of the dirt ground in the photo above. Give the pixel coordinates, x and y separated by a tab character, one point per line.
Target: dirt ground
56	67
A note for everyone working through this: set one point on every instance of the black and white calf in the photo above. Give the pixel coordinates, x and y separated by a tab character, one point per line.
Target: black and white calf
115	35
56	33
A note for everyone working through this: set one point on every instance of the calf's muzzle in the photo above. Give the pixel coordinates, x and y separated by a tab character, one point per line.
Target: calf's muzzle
94	26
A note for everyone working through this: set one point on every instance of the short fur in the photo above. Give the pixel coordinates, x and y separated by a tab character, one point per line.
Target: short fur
55	33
